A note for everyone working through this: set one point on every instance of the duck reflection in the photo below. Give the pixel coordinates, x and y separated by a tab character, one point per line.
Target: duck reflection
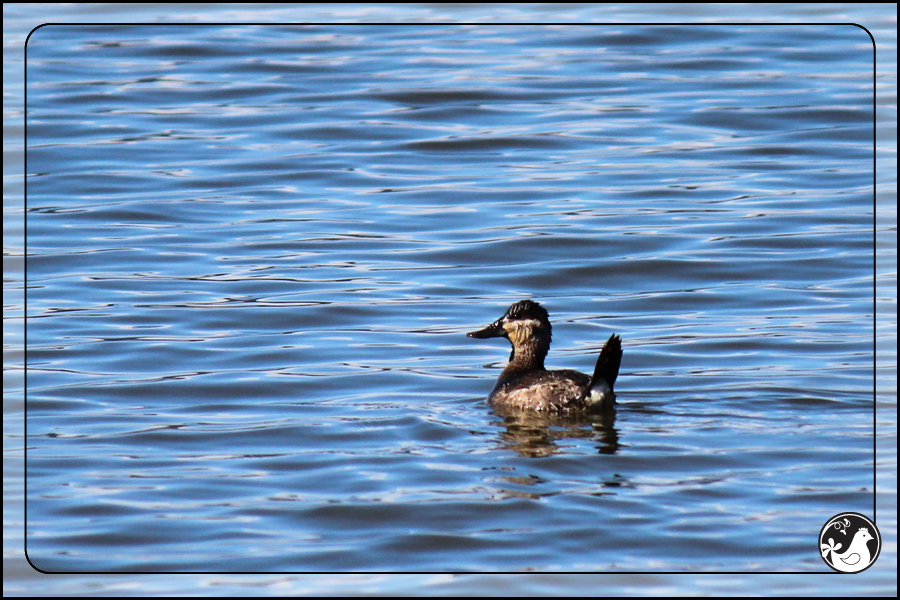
537	434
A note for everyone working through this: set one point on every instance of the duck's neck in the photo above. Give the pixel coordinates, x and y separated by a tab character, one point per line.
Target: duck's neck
527	356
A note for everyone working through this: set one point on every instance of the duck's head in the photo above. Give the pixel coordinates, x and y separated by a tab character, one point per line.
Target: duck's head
525	322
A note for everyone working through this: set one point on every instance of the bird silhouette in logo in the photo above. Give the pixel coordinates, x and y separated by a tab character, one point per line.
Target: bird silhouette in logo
854	558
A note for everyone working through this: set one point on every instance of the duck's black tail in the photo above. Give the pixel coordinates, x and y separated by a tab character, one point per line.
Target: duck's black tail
608	362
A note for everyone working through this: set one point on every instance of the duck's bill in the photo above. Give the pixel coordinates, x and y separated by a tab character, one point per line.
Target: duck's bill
495	329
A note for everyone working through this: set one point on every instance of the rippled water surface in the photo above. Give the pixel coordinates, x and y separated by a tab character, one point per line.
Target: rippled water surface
254	251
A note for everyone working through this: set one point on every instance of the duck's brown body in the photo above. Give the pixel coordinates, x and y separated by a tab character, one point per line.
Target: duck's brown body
541	390
526	384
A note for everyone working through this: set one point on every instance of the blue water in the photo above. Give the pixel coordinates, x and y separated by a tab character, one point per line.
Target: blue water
253	252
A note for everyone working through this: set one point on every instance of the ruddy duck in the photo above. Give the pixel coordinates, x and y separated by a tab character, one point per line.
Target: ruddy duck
524	383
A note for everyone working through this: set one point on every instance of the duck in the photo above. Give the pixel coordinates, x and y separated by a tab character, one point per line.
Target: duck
526	384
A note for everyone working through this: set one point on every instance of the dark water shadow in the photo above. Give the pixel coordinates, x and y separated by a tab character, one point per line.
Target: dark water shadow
537	434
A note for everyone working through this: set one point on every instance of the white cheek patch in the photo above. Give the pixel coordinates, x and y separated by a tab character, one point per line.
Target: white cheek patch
520	329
